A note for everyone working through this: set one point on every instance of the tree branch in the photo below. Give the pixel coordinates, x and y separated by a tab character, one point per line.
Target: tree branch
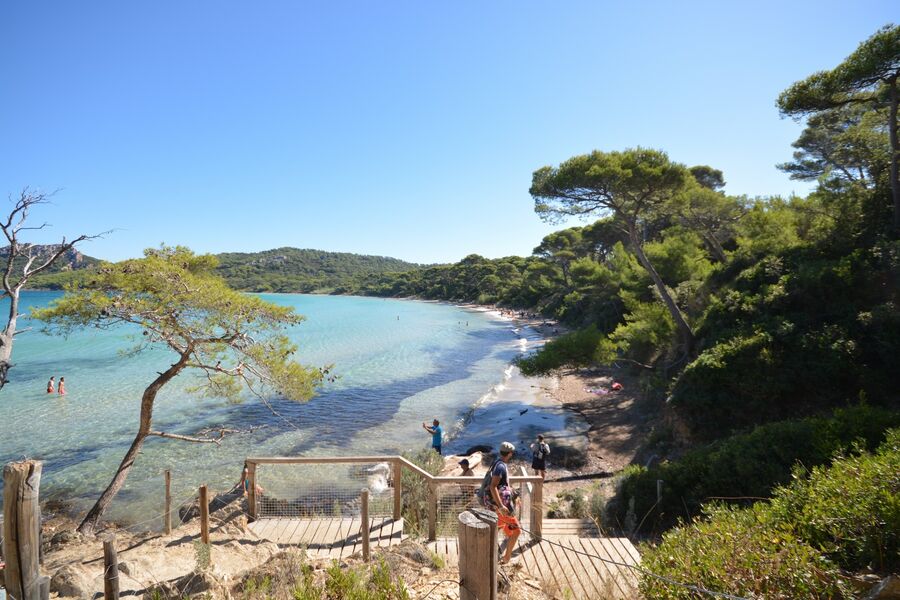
186	438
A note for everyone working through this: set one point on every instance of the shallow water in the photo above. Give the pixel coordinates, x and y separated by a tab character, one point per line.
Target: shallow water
399	363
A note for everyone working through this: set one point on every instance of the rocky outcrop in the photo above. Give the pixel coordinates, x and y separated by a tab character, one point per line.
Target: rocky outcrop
71	581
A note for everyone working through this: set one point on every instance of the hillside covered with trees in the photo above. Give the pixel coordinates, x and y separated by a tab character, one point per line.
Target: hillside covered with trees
279	270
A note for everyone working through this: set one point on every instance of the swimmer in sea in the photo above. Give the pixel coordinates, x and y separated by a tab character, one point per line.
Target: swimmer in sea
50	386
62	386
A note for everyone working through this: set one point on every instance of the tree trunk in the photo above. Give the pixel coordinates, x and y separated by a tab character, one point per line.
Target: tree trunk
7	335
715	247
895	154
92	519
685	333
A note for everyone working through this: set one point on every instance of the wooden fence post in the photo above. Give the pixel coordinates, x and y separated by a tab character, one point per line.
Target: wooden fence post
364	527
398	488
251	492
537	508
110	569
477	555
432	511
204	515
22	529
167	516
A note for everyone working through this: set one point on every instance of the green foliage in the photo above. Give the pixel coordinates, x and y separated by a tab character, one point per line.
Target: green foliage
294	579
576	348
874	62
794	334
850	510
296	270
570	504
648	327
845	516
415	491
743	552
173	295
743	466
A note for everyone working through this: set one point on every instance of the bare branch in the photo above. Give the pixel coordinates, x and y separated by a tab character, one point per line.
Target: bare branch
185	438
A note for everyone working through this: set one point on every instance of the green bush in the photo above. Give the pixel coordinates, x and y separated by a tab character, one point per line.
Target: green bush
843	516
791	335
744	552
415	492
850	510
572	349
744	466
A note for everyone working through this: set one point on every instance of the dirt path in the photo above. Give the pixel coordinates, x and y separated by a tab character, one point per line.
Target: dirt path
620	424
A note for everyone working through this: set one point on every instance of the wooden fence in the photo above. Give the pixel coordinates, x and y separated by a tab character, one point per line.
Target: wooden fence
531	486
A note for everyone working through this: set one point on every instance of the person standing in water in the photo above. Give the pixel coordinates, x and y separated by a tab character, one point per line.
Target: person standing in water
62	386
50	385
436	433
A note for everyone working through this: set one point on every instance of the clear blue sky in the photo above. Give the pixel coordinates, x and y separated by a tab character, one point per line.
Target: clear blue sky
407	129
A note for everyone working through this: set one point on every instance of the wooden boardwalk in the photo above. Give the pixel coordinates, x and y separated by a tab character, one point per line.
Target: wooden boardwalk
329	537
571	560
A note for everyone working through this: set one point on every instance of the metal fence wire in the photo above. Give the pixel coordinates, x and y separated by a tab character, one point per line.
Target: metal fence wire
454	498
323	490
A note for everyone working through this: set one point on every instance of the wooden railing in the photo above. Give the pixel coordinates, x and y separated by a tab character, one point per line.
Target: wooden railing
532	484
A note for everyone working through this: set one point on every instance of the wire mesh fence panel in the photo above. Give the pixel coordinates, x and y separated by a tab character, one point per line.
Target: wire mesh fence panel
323	489
452	499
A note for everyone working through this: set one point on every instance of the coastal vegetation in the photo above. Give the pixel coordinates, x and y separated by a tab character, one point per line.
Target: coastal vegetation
827	522
233	340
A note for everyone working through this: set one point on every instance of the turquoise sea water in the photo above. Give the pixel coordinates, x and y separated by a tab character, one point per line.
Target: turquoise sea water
399	363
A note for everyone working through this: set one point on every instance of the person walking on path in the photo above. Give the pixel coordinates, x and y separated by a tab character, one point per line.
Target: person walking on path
540	451
436	434
500	500
50	385
62	386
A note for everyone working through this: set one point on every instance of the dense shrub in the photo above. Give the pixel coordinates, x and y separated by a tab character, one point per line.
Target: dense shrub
415	492
846	515
850	510
572	349
749	465
792	334
744	552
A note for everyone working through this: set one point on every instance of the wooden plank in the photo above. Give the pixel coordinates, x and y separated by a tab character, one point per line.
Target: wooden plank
328	534
291	531
397	467
343	533
578	571
563	566
110	569
630	549
544	566
525	551
280	529
628	575
311	535
204	515
586	572
594	546
298	535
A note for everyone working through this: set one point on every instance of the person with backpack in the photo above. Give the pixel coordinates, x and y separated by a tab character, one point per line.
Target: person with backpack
499	497
540	451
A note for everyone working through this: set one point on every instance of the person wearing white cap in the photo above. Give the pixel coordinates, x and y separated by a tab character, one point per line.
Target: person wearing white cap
500	499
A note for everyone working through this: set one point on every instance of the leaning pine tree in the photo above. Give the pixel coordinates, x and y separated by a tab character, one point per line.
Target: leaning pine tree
235	342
